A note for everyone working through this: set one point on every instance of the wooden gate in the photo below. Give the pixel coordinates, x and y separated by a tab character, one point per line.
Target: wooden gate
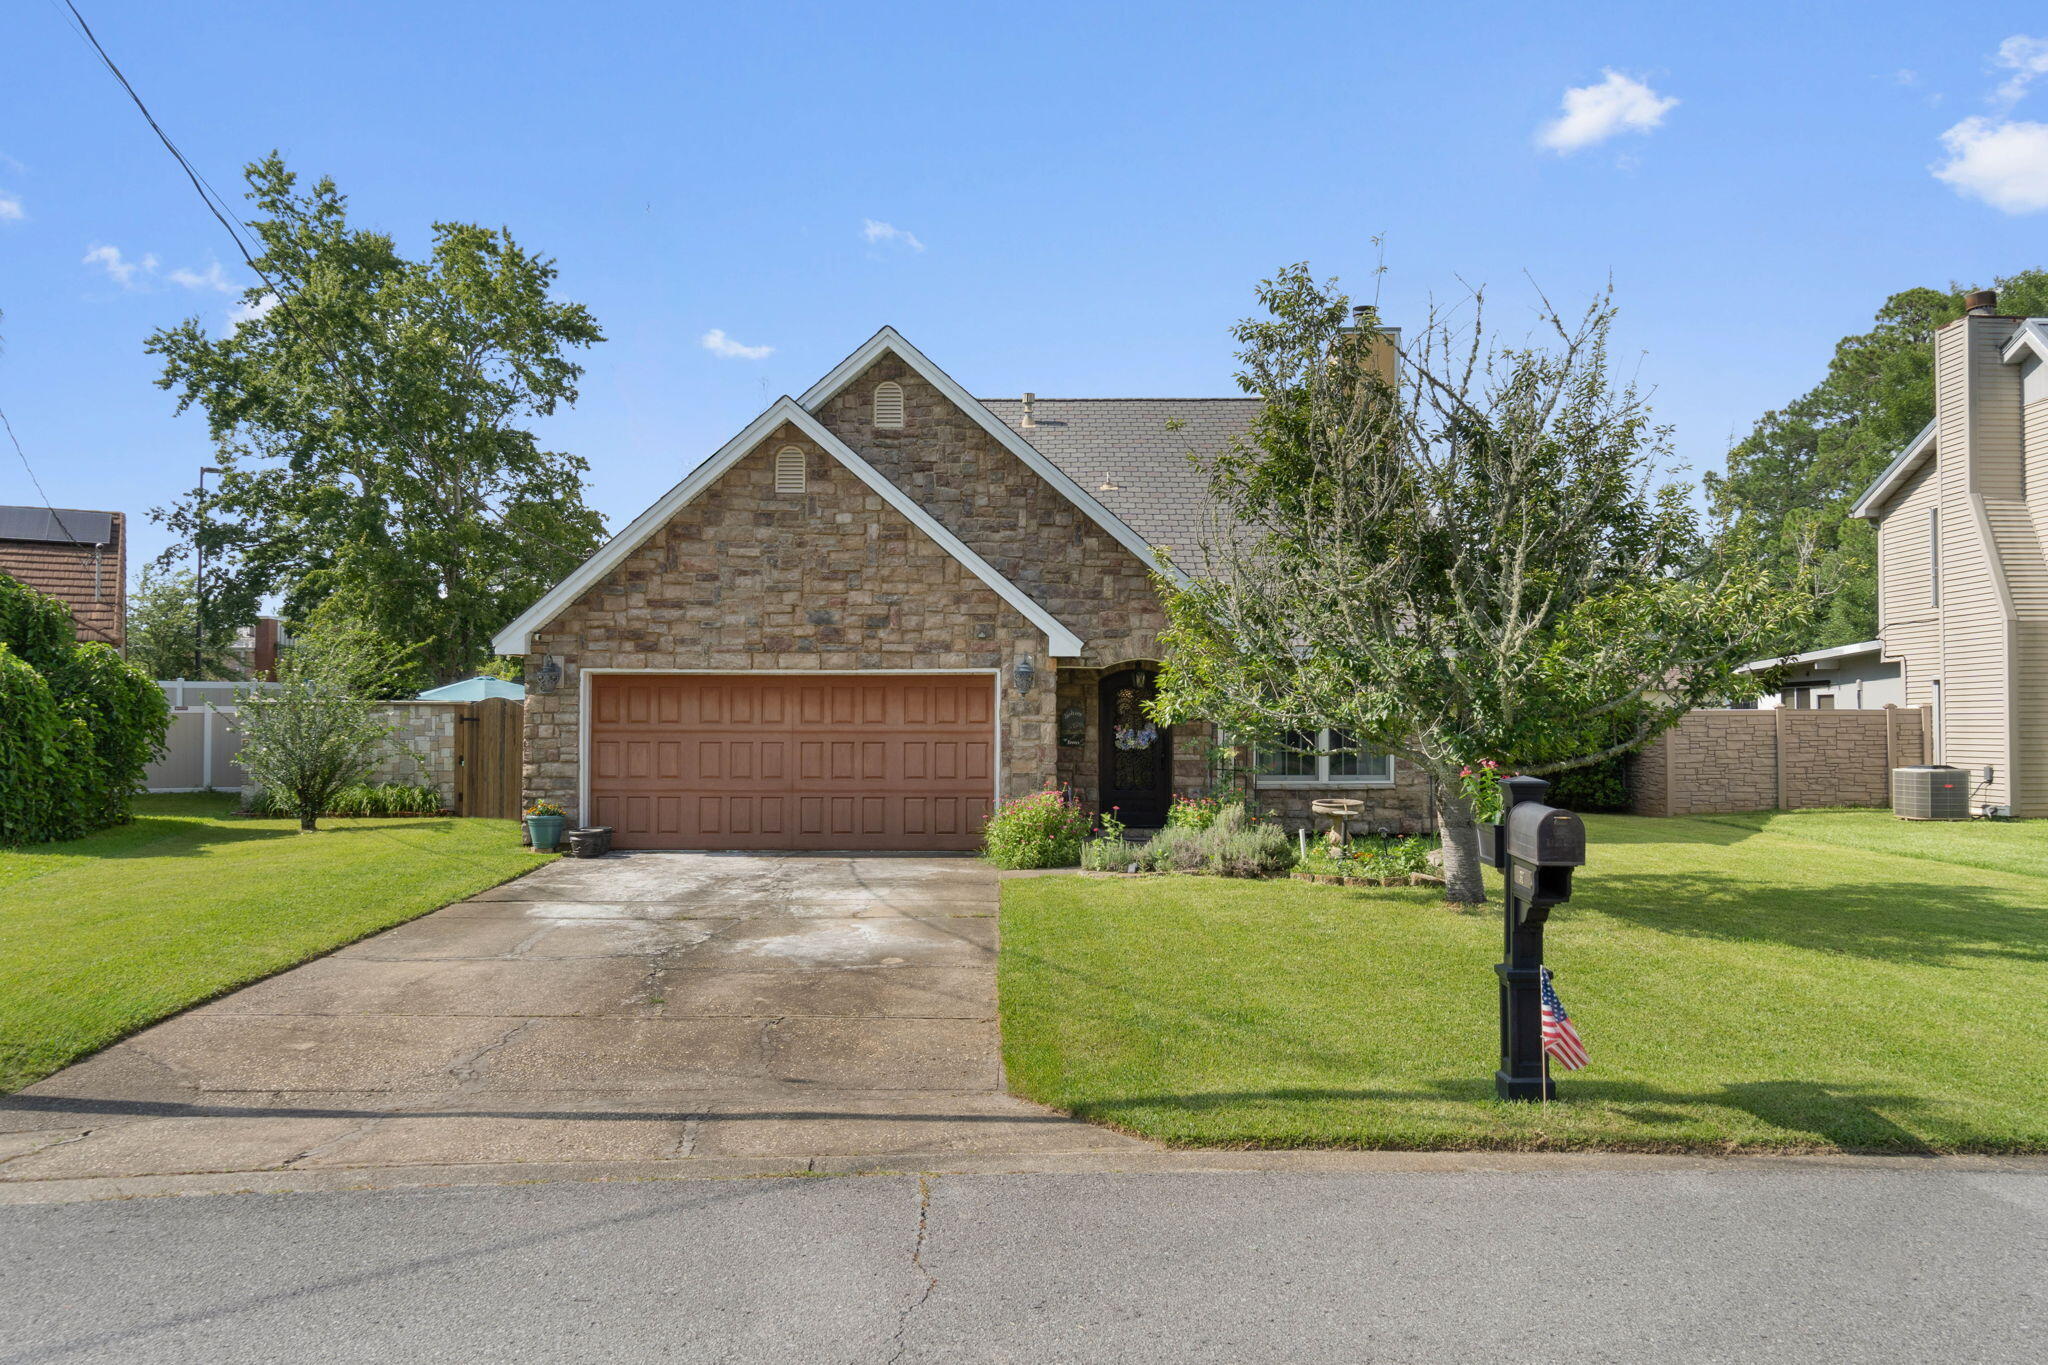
488	749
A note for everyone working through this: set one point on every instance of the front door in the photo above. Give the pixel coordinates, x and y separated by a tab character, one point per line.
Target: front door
1137	752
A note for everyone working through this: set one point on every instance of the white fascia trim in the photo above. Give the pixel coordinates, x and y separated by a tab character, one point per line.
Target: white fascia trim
1815	656
890	341
2031	336
1895	474
516	638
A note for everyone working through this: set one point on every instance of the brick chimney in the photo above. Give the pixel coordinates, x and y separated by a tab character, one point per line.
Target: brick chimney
263	654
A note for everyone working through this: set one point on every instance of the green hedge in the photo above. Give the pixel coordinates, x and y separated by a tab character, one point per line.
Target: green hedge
77	724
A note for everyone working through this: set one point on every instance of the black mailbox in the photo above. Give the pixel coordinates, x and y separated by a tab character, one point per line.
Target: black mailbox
1536	847
1546	836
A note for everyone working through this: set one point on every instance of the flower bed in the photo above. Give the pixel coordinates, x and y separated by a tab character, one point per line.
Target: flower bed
1374	860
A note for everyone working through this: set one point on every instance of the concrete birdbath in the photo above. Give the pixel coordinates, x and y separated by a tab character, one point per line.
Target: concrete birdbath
1342	810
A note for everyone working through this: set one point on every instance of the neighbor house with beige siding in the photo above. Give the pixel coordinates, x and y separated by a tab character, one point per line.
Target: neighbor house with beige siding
1961	518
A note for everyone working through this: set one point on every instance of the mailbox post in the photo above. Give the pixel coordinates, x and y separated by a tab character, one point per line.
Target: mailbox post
1536	847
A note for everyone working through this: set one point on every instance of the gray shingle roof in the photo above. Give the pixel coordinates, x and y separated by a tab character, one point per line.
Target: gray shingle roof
1145	459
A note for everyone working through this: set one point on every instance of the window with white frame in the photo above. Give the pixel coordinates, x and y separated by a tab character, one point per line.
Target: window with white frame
1324	758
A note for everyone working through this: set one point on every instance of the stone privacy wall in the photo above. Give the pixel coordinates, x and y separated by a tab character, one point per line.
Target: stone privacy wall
1713	762
1006	513
423	751
745	578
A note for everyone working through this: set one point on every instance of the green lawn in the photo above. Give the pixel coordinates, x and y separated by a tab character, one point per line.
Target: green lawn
104	935
1806	981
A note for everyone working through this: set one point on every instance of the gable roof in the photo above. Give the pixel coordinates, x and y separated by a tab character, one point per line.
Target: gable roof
889	341
1895	474
2032	335
516	638
1146	459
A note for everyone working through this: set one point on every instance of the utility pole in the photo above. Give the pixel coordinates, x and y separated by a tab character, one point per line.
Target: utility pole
199	575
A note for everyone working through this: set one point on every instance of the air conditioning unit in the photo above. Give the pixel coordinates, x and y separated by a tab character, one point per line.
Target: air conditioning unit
1936	792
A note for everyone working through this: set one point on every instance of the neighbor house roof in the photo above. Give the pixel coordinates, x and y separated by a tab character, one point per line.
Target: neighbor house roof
1895	474
61	525
1816	656
478	688
1146	459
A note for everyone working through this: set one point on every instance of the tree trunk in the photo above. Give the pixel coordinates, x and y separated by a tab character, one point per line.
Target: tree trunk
308	819
1464	882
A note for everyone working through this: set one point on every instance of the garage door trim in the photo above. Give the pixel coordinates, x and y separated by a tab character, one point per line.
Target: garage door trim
583	705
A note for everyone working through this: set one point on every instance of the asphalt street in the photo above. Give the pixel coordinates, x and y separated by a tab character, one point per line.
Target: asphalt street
1751	1262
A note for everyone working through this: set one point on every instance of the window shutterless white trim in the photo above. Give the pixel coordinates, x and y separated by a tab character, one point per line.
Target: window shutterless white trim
516	638
1322	777
789	470
889	341
795	674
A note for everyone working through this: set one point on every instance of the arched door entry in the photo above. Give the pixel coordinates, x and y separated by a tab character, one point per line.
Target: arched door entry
1137	752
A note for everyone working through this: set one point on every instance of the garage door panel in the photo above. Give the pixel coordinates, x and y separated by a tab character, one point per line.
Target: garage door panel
742	761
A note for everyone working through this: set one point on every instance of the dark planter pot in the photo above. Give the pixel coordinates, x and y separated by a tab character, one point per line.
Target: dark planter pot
585	843
604	836
545	831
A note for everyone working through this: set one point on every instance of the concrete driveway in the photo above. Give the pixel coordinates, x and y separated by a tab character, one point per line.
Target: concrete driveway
644	1007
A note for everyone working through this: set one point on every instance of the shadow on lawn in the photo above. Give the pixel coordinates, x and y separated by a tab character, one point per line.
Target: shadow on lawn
1810	1111
1929	923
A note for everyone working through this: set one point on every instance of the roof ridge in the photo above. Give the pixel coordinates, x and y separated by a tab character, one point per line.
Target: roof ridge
1213	398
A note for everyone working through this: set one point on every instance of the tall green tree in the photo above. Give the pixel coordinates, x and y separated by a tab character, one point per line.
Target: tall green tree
1459	562
372	413
163	637
1792	480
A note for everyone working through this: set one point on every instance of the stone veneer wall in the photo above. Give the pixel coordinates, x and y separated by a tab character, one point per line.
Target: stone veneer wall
745	578
1006	513
1713	762
1405	807
1079	766
423	753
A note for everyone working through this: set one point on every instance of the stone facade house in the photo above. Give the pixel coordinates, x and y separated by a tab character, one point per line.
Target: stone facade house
80	558
1961	518
885	605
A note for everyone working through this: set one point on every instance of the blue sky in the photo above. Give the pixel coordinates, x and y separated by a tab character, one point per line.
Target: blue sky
1081	197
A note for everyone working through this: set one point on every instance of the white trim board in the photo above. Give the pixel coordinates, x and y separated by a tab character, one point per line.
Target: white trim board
889	341
583	705
516	638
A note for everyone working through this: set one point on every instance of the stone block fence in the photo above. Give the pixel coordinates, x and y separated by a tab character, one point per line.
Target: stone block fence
1713	762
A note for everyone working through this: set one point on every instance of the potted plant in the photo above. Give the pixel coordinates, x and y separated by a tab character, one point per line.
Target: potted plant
544	821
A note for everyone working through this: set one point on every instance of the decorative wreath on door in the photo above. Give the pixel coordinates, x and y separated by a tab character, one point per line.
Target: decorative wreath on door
1134	730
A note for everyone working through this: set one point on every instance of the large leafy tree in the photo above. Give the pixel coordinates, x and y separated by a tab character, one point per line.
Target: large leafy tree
163	637
1793	479
1457	558
371	413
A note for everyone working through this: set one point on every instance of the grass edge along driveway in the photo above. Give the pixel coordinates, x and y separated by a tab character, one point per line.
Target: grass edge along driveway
1741	987
105	935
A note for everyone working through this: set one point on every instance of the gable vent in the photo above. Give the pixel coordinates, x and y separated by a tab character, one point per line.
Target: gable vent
888	404
789	470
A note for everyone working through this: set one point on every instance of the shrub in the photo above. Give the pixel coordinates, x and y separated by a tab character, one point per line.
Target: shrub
78	724
390	798
314	735
1373	856
1044	829
1235	843
1193	812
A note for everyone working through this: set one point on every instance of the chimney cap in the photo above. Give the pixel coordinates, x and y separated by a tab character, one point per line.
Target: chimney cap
1981	303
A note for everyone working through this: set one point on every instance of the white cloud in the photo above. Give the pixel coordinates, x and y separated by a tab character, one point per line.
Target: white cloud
718	343
2003	162
2027	59
249	312
120	269
876	233
211	278
11	210
1594	113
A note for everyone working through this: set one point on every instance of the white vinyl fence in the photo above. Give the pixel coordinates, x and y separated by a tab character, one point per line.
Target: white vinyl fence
199	751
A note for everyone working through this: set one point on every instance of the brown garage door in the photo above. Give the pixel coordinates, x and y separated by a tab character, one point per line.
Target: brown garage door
768	761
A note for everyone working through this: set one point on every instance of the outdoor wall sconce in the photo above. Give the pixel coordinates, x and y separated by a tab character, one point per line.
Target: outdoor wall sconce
1073	727
548	676
1025	675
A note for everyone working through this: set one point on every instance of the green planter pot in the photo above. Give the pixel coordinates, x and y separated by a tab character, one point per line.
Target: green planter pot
545	831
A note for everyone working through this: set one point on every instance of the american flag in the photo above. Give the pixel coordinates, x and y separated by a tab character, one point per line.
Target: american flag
1560	1039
